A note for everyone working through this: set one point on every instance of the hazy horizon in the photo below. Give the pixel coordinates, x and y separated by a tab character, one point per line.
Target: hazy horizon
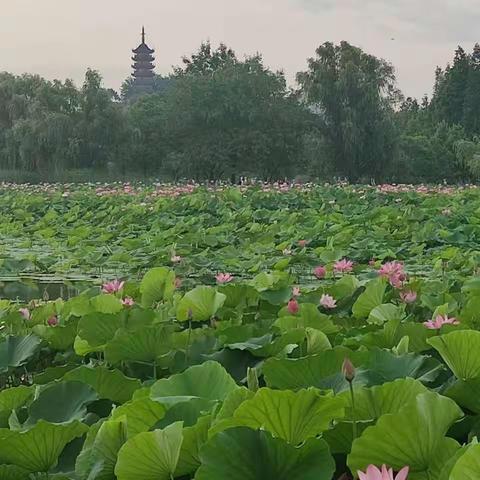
60	39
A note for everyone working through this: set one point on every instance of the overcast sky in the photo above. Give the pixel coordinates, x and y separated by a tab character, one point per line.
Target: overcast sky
61	38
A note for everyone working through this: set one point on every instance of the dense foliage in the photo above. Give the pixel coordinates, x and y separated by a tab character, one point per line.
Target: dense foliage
302	333
220	117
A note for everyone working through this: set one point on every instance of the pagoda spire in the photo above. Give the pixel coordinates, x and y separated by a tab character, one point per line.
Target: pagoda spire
143	34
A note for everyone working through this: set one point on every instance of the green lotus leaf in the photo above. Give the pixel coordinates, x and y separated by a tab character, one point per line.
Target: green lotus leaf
384	366
460	350
414	436
98	328
267	346
317	341
11	399
111	384
466	393
151	455
38	448
447	466
236	362
292	416
98	457
309	316
61	403
158	284
472	286
106	304
345	287
371	298
322	371
16	351
147	344
52	373
238	295
234	399
187	412
60	337
267	281
385	313
194	438
141	413
208	381
83	461
245	454
392	333
468	466
77	306
200	304
278	296
12	472
372	403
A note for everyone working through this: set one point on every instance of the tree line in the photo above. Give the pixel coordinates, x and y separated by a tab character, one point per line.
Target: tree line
218	116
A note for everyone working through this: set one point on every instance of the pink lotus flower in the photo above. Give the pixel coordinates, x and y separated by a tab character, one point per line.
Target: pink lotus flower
327	301
175	258
53	321
224	278
296	292
320	272
178	282
343	266
128	302
293	307
440	321
25	313
374	473
112	287
302	243
394	273
408	296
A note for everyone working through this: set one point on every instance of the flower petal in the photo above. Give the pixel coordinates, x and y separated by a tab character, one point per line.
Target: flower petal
402	474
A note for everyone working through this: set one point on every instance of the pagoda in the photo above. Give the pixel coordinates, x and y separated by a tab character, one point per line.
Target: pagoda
143	67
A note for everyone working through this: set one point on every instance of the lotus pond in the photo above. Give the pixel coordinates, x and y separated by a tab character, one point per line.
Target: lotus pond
257	333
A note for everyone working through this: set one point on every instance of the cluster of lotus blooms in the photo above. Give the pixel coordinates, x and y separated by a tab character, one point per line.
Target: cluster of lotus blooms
176	189
392	271
422	189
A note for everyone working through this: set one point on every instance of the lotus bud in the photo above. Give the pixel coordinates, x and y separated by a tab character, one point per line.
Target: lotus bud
348	370
252	379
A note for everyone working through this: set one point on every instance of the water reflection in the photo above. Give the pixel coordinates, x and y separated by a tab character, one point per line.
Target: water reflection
26	289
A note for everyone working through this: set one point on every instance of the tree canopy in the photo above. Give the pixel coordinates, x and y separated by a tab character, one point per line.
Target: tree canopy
218	116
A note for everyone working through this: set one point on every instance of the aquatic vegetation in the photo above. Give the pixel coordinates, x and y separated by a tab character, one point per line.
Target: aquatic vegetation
238	361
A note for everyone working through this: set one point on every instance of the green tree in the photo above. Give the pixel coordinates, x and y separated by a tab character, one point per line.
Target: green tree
353	94
471	110
103	128
207	60
450	86
225	116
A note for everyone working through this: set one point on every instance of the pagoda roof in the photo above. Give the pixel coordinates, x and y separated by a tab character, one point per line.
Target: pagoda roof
143	48
143	66
143	57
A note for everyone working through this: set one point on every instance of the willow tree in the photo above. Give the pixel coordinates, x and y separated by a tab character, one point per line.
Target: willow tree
353	94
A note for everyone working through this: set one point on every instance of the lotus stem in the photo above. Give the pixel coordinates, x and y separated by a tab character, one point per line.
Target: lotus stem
354	413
